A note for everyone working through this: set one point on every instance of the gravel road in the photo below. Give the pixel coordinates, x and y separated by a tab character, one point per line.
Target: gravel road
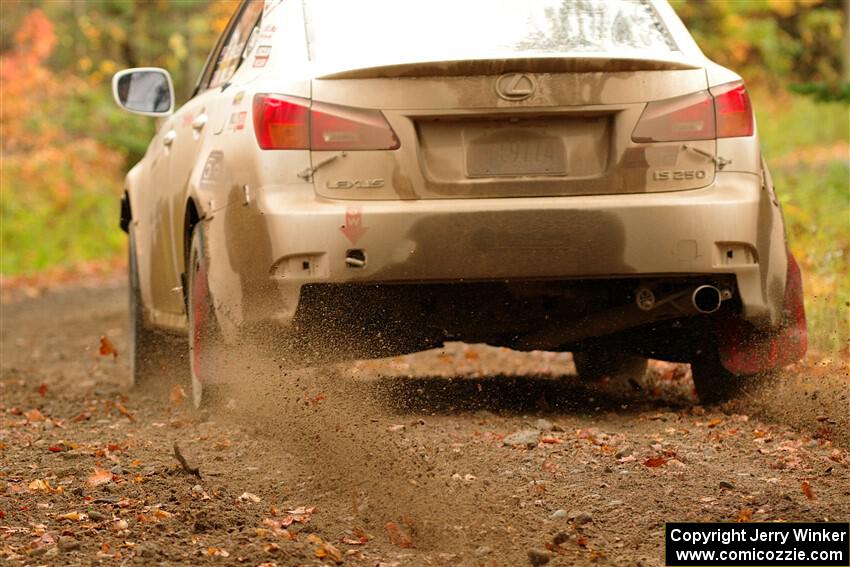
466	455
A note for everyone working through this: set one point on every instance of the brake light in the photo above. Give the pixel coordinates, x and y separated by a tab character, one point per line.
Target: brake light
291	123
722	112
733	109
689	117
282	123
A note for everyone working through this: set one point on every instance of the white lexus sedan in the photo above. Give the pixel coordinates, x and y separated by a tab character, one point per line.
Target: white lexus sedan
364	179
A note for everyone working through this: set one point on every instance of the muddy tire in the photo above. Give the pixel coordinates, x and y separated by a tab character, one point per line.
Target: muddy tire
142	342
714	384
205	340
593	365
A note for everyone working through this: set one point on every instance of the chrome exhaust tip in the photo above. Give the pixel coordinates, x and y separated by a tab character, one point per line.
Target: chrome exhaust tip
706	299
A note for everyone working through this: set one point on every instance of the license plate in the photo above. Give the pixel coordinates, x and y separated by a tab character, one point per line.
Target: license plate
514	152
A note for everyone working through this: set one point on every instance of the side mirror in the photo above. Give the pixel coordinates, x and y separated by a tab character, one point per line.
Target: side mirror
144	90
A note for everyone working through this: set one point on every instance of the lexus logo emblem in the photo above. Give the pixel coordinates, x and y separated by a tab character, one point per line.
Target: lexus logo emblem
515	86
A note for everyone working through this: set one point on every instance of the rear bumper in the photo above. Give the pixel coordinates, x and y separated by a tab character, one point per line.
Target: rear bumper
288	237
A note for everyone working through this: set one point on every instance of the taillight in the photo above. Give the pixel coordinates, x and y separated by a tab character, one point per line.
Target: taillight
282	123
291	123
722	112
689	117
733	109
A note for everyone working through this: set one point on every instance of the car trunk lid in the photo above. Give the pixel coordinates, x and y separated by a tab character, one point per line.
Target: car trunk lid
515	134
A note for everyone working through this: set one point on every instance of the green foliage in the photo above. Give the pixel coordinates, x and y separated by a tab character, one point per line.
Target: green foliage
788	122
775	42
816	203
58	211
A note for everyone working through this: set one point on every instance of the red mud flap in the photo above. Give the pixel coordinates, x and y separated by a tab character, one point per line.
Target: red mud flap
744	349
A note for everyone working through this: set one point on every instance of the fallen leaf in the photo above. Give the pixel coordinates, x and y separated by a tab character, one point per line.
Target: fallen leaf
34	415
107	348
177	395
301	514
581	541
248	497
162	514
120	407
71	516
745	515
327	551
278	528
655	462
397	536
42	390
715	422
807	490
39	485
98	477
550	440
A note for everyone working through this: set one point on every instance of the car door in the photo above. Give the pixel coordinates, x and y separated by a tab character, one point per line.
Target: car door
201	117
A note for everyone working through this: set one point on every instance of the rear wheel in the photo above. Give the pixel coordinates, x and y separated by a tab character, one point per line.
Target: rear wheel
714	384
142	343
593	365
205	340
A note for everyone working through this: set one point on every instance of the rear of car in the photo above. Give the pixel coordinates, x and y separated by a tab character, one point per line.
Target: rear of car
533	174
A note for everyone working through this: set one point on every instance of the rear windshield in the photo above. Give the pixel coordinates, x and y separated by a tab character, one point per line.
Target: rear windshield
360	33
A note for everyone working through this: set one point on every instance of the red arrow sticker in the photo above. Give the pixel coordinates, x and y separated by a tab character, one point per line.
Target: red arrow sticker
353	228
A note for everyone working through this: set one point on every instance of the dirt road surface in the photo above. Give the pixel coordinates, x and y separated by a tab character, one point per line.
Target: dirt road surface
467	455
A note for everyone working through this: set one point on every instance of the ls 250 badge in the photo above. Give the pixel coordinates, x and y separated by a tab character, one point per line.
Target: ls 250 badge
355	184
677	174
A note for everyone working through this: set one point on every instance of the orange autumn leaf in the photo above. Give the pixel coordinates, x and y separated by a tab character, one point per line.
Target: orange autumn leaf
107	348
807	490
42	390
40	485
98	477
34	415
655	462
120	407
550	440
397	536
745	515
715	422
177	395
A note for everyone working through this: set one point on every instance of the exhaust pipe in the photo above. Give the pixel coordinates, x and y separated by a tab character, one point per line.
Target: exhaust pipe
706	299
